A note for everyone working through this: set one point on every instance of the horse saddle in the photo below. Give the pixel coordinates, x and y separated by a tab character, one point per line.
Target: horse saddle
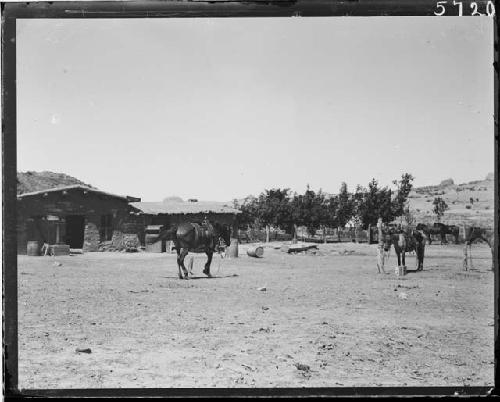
203	234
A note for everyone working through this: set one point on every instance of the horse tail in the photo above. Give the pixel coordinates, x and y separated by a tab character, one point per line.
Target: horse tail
166	234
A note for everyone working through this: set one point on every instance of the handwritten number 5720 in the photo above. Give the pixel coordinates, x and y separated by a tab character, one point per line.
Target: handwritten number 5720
441	10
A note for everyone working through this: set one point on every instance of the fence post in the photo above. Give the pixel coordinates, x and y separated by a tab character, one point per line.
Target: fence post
380	248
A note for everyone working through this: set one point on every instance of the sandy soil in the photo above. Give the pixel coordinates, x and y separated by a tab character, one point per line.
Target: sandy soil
324	320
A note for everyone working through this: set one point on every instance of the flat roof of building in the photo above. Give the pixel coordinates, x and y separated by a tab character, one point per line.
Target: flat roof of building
184	207
77	187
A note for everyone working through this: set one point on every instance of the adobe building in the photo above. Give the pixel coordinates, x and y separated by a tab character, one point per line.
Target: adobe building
80	217
77	216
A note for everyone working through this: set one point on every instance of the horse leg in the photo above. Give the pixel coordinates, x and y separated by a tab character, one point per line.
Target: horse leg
178	250
403	259
469	253
421	257
490	241
467	256
184	252
418	256
206	271
380	260
190	265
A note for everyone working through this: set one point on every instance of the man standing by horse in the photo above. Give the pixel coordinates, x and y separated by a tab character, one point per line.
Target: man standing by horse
405	240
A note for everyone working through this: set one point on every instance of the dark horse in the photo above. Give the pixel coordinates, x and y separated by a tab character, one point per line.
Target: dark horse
439	229
431	230
405	242
194	237
472	234
448	229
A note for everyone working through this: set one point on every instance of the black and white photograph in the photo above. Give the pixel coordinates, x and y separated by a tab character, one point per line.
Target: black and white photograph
251	201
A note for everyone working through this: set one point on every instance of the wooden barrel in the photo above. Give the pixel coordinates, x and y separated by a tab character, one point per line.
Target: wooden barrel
256	251
33	248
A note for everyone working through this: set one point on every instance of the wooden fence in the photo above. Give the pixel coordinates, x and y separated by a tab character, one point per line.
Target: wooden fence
342	235
331	235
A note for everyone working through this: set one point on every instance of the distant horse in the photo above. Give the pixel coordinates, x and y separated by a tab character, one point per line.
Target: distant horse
431	230
439	229
448	229
405	242
193	237
475	233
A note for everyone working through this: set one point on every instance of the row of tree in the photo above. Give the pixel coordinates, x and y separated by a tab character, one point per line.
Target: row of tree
280	208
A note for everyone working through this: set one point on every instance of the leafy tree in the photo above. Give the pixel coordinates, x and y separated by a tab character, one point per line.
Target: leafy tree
331	211
310	210
400	201
317	215
273	208
345	206
249	214
440	207
358	203
373	203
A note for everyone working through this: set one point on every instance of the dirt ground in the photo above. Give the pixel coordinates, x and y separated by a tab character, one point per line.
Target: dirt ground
326	320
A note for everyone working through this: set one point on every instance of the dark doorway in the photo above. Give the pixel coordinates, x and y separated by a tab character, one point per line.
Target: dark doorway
75	226
106	231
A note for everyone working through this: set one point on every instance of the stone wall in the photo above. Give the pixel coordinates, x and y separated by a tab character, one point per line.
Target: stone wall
125	241
133	224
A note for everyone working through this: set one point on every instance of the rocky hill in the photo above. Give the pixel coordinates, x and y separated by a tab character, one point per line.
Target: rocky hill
37	181
470	203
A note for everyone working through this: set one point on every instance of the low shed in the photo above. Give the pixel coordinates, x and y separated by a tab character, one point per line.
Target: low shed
169	213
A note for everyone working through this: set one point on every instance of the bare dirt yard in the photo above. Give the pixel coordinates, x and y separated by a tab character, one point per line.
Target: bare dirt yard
326	320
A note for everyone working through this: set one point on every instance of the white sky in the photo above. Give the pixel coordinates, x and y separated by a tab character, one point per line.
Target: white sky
217	109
